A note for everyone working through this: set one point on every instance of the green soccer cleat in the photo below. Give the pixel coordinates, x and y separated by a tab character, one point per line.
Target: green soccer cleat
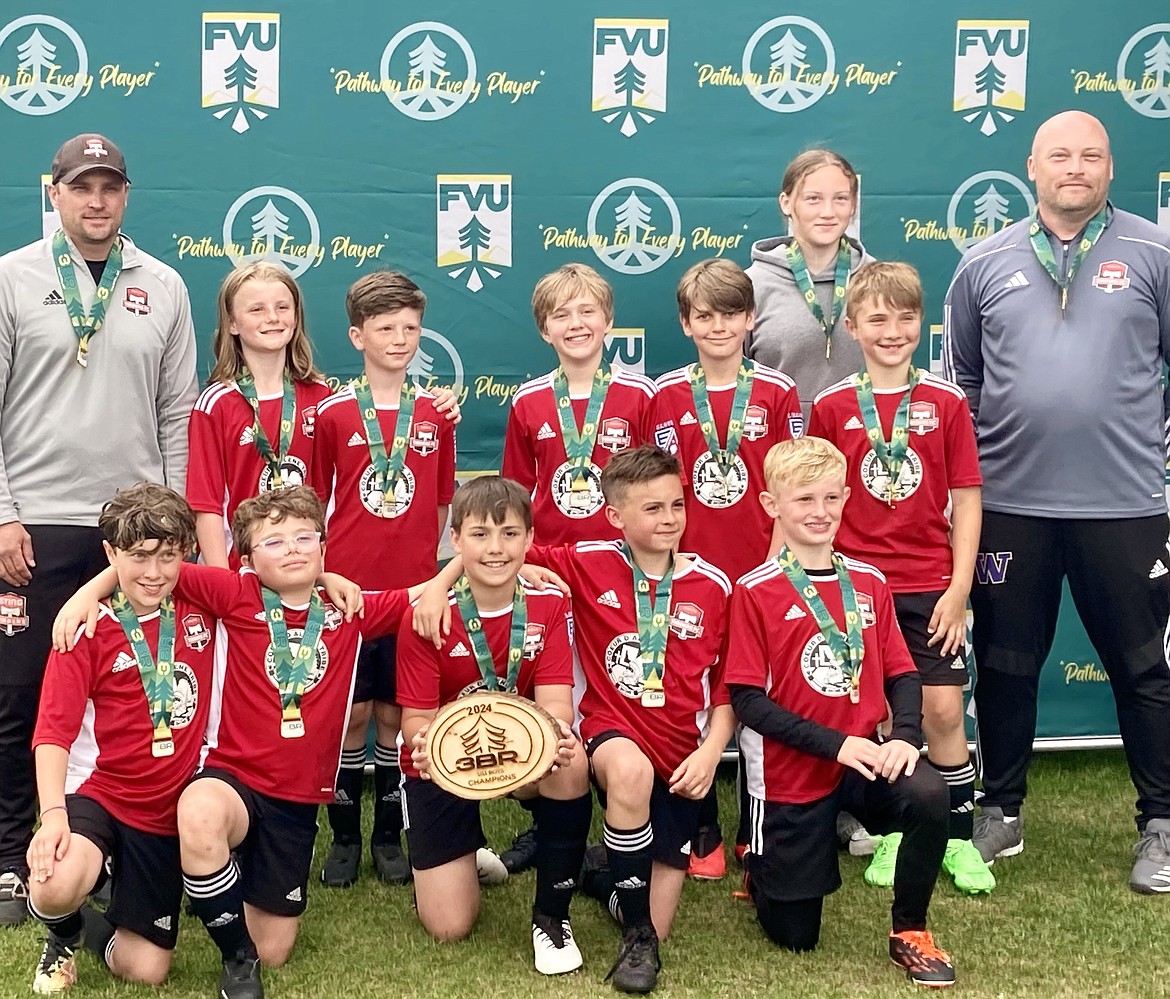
880	872
963	863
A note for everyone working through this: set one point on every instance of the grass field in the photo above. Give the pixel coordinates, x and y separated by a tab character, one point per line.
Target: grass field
1062	923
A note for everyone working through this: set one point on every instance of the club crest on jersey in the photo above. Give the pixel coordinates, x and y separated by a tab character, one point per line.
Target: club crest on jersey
876	479
755	423
137	302
666	438
533	640
292	473
333	617
13	613
577	491
186	696
196	634
308	420
1111	276
614	434
686	620
923	418
374	501
865	609
424	437
316	671
796	425
821	669
711	489
623	663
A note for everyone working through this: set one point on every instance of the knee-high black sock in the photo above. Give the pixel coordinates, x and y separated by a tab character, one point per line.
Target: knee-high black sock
387	796
218	900
630	862
345	814
961	787
66	927
562	829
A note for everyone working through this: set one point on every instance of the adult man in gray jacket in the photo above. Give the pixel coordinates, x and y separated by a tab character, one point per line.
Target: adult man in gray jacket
97	380
1057	328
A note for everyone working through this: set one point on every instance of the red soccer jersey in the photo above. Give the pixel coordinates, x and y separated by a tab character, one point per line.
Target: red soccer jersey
429	678
910	541
728	529
244	735
225	468
93	704
605	625
774	643
534	453
382	552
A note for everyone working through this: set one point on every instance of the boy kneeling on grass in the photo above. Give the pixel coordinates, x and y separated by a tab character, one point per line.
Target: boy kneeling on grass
814	653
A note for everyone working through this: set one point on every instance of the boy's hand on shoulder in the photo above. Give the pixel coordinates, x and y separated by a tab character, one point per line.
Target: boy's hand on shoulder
540	578
432	615
896	758
418	753
345	594
445	403
80	609
860	754
695	774
948	623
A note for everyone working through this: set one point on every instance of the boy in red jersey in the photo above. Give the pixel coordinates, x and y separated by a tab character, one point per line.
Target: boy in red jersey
910	443
122	716
720	416
384	465
814	653
653	710
503	636
564	426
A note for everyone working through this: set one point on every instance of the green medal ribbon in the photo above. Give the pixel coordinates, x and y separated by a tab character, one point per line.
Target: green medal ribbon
387	467
891	453
849	648
579	445
474	628
157	675
85	326
292	671
724	456
653	628
1043	250
804	282
288	408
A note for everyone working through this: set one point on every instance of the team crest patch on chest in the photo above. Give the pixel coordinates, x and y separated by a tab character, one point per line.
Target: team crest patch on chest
137	302
533	640
923	418
865	609
614	434
1111	276
308	420
424	437
755	423
196	634
686	620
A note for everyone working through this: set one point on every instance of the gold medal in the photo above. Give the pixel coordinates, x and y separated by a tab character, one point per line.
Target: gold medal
162	747
292	728
654	698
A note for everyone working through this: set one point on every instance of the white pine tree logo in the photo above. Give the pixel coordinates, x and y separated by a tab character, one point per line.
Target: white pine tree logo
269	225
427	63
37	57
421	367
787	60
990	213
1154	94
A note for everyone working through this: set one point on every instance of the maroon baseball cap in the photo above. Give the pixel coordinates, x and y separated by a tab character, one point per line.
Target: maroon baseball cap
86	152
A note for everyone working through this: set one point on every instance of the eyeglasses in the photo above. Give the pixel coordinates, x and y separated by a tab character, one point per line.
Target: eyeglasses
305	541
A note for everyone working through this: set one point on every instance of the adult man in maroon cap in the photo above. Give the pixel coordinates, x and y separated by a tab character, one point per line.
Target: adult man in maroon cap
97	380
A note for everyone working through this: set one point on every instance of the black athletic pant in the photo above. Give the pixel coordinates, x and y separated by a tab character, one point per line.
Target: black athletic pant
1117	571
66	557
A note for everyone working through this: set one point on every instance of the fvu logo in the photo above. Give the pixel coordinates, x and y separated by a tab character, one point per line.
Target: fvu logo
991	567
991	71
241	66
474	222
629	71
627	349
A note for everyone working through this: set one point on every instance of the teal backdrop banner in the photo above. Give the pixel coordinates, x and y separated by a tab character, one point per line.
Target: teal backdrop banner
479	146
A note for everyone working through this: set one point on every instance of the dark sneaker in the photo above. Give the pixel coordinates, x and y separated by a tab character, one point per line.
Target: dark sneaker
55	971
13	899
637	966
390	863
594	872
997	836
241	979
342	865
521	855
1151	865
553	947
926	964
